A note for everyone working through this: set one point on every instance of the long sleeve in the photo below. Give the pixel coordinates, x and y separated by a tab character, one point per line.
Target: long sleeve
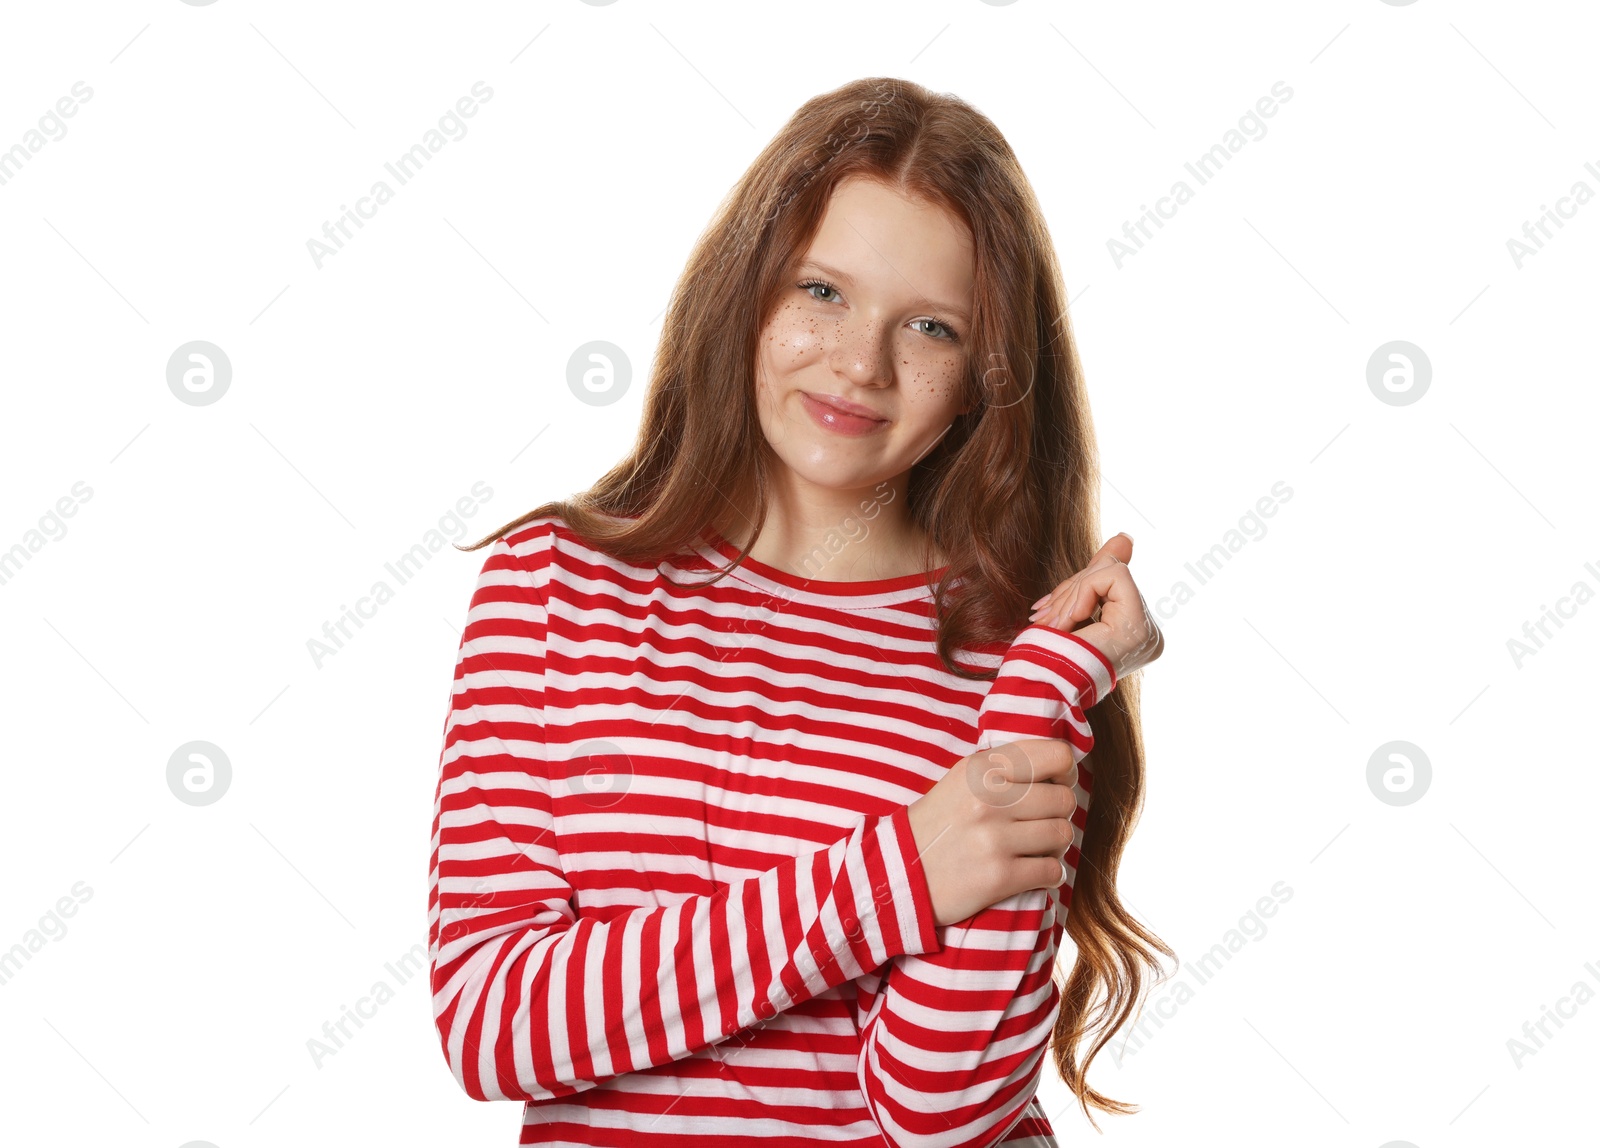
953	1039
534	1002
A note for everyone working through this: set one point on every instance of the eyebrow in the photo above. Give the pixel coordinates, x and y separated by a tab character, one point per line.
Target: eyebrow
844	276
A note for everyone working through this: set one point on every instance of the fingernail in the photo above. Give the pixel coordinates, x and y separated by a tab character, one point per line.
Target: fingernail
1128	536
1041	602
1033	617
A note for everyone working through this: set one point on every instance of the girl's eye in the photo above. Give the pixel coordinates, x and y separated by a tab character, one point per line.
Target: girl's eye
810	283
948	335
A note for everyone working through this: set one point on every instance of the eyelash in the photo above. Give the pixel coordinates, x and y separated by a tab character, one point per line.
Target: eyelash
953	336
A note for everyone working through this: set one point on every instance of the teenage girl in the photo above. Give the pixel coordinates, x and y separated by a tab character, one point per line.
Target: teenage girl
763	796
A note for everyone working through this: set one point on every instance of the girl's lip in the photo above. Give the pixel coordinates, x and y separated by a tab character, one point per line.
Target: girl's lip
840	422
848	408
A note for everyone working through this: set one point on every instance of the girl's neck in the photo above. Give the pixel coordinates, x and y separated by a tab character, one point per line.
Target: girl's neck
844	552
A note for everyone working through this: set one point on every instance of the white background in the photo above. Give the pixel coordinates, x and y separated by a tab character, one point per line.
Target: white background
369	395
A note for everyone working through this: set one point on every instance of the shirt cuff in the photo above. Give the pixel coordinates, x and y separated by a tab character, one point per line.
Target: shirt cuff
1074	652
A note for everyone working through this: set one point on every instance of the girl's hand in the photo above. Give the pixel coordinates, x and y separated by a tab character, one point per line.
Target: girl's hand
998	823
1125	633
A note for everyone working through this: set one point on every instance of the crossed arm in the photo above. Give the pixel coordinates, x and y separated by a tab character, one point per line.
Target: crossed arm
953	1039
532	1002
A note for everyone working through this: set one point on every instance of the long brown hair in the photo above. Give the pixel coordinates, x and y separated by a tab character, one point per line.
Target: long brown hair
1009	493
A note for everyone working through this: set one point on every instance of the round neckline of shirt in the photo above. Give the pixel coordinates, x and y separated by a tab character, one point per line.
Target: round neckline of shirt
903	586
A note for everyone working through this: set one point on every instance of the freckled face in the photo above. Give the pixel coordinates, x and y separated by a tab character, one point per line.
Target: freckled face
875	314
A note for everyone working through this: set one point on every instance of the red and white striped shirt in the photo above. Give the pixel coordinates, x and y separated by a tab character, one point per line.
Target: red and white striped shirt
674	888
